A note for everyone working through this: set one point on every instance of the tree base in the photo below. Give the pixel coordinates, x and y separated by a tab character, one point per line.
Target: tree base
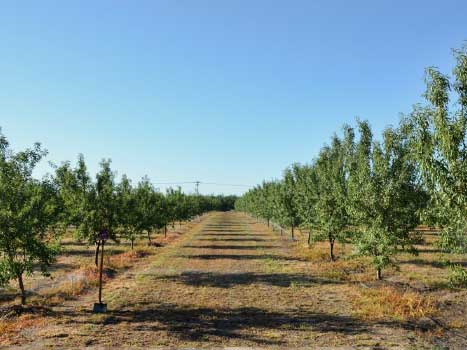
99	308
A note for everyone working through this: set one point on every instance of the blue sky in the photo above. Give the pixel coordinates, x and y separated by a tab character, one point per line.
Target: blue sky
218	91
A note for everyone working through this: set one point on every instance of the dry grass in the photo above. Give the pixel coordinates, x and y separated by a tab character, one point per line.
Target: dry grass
233	282
126	259
389	302
17	319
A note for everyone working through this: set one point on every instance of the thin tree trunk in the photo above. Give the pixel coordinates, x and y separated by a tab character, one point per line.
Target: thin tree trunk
149	238
309	238
378	273
165	231
21	287
100	273
331	249
268	222
96	257
132	243
293	233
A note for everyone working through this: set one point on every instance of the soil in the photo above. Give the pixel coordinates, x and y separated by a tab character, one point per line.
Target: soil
231	282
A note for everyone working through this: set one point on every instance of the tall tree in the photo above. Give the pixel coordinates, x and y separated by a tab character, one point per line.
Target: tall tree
384	195
440	139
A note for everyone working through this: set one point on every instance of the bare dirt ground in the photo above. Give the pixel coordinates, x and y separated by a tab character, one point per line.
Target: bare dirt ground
231	282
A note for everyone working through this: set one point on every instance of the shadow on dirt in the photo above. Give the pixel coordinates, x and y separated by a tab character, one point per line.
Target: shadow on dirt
231	247
237	239
223	324
227	280
437	264
240	257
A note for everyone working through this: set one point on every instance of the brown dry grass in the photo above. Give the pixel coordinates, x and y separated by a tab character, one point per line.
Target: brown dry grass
389	302
233	282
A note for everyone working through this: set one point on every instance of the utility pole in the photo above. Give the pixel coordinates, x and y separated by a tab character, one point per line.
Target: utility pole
197	186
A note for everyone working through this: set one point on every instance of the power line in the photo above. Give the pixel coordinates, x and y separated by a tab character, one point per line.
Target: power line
197	183
218	184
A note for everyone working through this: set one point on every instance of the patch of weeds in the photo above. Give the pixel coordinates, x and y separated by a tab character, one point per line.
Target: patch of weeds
380	303
272	265
457	277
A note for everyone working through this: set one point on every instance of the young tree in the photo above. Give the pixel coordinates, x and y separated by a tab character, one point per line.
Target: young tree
287	203
128	218
307	196
330	208
384	195
24	217
147	209
440	140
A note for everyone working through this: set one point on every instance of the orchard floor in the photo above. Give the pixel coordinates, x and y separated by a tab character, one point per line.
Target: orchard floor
228	282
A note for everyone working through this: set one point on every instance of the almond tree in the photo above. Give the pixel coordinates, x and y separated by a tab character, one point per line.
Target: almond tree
440	146
128	218
24	216
330	218
149	205
307	196
286	200
384	195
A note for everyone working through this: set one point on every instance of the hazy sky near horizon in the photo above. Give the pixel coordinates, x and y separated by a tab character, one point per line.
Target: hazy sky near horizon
229	92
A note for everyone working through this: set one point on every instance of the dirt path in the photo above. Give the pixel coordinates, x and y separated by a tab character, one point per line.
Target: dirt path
229	282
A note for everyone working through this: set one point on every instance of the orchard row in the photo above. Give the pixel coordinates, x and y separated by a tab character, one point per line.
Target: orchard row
34	214
374	192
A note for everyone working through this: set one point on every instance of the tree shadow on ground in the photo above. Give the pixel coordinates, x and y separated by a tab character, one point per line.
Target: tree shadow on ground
58	266
437	264
236	239
228	280
224	230
221	235
232	247
224	324
239	257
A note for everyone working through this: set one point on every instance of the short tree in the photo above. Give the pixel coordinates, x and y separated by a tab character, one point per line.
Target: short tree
24	216
330	207
128	219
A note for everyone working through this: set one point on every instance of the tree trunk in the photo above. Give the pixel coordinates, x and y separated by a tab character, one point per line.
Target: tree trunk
149	238
165	231
378	273
331	249
293	233
96	257
180	224
268	222
21	287
309	238
100	273
132	243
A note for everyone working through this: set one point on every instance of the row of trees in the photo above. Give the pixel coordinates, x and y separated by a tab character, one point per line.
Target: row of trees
35	213
375	192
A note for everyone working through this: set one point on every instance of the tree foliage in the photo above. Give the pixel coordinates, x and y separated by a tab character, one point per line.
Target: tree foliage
26	211
440	147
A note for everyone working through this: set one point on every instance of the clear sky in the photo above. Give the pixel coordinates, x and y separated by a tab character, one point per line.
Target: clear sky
229	91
